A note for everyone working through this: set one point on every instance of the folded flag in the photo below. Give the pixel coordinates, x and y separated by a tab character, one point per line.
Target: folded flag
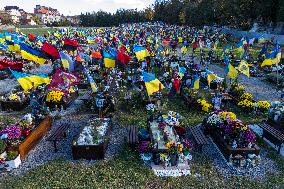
244	68
50	50
109	60
152	83
31	54
67	62
28	81
141	52
13	65
195	84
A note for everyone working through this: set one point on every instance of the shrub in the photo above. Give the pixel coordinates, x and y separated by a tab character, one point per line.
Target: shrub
11	155
2	146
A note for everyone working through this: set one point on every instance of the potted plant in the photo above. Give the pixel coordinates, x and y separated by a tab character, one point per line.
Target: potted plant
13	159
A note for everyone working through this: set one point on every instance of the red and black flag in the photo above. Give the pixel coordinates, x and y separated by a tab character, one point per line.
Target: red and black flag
49	51
70	45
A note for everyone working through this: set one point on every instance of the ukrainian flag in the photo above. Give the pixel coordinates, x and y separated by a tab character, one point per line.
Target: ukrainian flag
230	70
13	46
195	84
152	84
91	40
31	54
2	39
273	58
240	46
109	60
28	81
8	36
141	52
66	60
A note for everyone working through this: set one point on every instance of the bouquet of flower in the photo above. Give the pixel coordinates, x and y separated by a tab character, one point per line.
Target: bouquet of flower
214	120
246	96
205	106
263	105
228	115
54	96
237	90
246	104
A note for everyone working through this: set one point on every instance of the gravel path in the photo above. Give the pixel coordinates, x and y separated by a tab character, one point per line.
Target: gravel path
259	89
266	165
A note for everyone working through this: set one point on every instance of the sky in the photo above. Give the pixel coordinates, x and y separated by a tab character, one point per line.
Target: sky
75	7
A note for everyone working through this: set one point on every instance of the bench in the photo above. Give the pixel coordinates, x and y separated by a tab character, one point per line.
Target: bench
57	135
199	137
132	136
273	135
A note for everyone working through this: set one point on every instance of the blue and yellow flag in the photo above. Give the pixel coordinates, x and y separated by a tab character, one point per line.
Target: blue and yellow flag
2	39
13	46
109	60
28	81
230	70
240	46
195	84
141	52
274	57
152	83
31	54
66	60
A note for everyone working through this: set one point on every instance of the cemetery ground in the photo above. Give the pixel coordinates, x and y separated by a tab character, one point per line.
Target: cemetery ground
126	170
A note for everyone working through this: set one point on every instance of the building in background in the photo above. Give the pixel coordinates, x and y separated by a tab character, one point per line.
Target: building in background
15	13
47	15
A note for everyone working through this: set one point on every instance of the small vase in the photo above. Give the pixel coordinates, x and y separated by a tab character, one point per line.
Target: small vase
173	159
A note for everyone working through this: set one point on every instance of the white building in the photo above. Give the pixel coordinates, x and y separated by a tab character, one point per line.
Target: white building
47	15
14	12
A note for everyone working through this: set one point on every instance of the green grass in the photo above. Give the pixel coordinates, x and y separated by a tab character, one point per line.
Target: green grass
127	171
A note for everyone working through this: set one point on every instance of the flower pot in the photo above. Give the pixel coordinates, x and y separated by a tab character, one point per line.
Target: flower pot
173	159
14	163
